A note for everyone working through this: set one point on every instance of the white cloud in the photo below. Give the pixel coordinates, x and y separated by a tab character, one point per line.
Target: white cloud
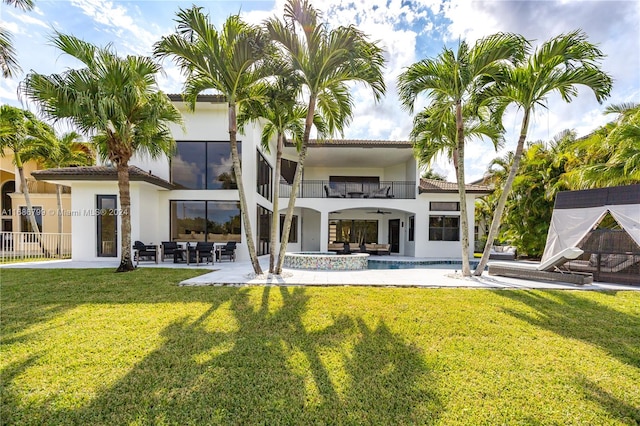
27	19
118	20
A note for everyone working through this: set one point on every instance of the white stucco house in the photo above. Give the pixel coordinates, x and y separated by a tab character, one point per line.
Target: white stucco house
362	191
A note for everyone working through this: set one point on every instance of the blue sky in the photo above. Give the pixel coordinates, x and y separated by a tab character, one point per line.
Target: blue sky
407	30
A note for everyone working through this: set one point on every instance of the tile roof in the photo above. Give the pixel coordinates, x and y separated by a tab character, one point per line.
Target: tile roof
94	173
177	97
433	185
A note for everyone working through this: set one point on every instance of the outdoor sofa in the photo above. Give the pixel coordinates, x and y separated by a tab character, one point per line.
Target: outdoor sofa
378	249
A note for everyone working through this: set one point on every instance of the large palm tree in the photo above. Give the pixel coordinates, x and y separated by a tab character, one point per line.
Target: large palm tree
116	100
558	65
326	61
454	79
283	116
8	58
229	61
18	129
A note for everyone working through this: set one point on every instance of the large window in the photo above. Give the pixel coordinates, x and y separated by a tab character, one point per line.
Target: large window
264	230
288	170
213	221
444	206
25	220
444	228
293	233
354	231
203	165
265	177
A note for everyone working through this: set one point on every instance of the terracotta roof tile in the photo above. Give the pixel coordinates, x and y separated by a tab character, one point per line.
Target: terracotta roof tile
433	185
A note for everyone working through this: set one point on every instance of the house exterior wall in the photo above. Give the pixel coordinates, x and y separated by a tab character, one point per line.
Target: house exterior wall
150	205
208	123
50	210
83	206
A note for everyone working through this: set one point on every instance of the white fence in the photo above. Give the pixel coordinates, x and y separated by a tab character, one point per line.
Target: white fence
16	246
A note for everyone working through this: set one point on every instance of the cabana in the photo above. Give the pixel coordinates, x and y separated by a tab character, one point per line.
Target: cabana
612	255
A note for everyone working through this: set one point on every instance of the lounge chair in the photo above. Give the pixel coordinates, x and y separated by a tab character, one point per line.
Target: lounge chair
142	250
548	270
228	250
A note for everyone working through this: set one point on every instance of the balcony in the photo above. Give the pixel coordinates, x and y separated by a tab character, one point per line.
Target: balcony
377	190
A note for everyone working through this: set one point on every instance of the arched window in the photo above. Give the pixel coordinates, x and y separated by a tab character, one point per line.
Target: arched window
8	187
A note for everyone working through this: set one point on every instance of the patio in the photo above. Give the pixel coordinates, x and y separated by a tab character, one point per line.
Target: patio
240	273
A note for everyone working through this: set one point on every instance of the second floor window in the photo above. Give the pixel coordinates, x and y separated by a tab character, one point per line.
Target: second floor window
203	165
264	177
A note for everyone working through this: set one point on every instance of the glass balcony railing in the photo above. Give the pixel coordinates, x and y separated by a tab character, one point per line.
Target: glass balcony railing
378	190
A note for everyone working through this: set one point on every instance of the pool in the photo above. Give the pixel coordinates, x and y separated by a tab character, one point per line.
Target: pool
326	261
418	264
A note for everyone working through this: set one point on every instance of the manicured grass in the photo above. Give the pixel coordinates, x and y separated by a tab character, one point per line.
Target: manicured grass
94	347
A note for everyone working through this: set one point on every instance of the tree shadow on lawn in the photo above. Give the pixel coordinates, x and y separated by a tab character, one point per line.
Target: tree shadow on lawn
571	315
268	369
623	411
31	297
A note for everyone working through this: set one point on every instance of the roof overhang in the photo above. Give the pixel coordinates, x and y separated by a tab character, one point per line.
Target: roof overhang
97	174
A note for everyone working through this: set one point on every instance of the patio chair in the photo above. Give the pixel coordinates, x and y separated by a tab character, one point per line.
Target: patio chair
168	249
548	270
228	250
203	251
381	193
332	193
142	250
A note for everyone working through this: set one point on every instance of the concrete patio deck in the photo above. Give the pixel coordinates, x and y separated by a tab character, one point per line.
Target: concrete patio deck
241	273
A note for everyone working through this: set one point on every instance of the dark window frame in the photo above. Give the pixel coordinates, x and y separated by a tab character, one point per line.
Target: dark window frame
264	177
175	235
263	230
444	232
449	206
25	223
206	164
412	230
101	212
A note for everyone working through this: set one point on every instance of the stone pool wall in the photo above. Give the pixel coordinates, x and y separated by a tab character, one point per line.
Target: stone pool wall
326	261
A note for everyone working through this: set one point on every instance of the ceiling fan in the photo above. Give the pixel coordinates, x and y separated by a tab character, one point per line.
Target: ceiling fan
380	212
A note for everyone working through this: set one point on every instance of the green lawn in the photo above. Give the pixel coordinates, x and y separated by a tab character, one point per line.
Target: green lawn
94	347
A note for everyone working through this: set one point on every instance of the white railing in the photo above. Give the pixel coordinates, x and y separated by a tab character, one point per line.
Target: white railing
16	246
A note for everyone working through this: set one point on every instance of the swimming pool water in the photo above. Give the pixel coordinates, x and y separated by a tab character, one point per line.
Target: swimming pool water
428	264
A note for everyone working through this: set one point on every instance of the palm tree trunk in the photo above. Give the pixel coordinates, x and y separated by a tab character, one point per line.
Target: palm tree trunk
464	220
502	202
27	200
126	264
297	180
275	222
59	201
233	126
